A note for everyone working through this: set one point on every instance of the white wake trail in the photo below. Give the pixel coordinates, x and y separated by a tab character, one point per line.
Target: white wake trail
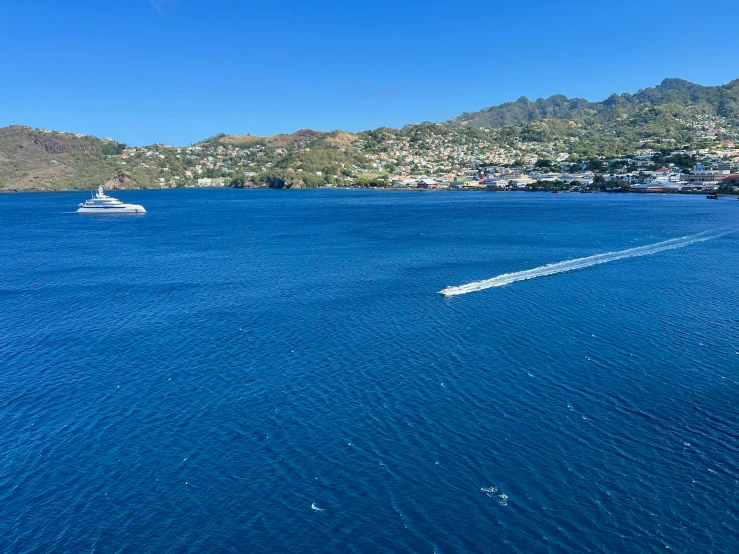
579	263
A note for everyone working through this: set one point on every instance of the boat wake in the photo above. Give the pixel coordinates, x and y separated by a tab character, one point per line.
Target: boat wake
580	263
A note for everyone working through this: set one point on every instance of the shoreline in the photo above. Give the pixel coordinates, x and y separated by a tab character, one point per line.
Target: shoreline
388	189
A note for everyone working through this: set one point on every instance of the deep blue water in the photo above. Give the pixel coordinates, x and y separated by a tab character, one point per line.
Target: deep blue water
274	371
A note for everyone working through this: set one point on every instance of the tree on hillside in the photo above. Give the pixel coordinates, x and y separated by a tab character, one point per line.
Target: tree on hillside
375	181
275	181
113	148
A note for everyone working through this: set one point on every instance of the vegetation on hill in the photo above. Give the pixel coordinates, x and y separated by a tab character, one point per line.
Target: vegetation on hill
671	116
722	101
31	159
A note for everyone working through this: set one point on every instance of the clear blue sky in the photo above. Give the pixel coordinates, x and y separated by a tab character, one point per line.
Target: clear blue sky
177	71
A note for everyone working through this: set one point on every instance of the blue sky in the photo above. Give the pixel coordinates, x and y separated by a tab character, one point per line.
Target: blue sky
178	71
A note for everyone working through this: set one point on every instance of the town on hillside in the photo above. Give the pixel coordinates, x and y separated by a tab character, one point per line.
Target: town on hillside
439	159
630	146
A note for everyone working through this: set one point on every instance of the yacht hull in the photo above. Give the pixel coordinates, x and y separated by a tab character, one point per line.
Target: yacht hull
126	209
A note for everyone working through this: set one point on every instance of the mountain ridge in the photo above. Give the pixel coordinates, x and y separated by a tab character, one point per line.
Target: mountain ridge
669	91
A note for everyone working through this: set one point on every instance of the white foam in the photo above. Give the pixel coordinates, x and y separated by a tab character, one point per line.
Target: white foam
494	492
579	263
316	508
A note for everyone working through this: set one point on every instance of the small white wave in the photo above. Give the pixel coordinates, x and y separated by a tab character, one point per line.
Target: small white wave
579	263
494	492
316	508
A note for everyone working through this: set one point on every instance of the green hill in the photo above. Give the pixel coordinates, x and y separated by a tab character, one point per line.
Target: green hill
38	159
674	115
721	101
32	159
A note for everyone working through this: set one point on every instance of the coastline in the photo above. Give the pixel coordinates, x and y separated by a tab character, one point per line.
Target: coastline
387	189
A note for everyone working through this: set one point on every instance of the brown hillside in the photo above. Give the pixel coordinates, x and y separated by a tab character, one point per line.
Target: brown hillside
35	159
281	140
341	139
44	179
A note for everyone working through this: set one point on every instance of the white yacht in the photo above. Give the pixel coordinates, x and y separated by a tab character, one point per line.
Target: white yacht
103	204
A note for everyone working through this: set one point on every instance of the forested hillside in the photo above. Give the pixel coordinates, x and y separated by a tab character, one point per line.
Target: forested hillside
722	101
671	116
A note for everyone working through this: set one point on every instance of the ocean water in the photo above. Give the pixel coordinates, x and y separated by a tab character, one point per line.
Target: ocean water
275	371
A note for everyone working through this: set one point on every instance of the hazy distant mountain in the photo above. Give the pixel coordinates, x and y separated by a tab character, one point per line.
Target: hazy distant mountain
721	100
